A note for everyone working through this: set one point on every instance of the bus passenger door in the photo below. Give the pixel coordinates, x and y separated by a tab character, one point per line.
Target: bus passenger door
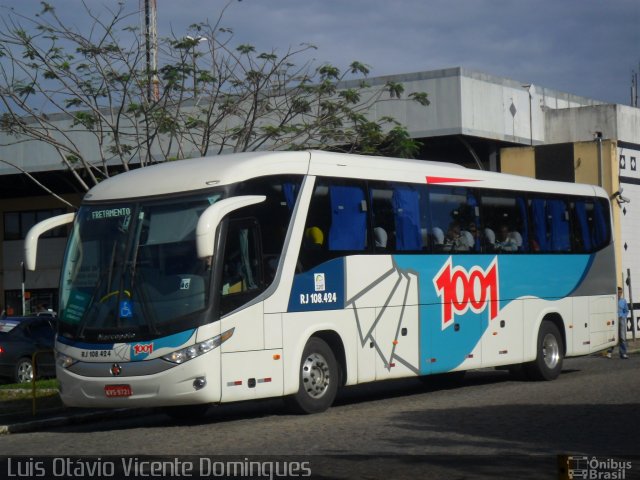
247	369
603	321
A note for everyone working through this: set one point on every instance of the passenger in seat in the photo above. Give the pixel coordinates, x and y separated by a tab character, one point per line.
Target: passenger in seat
380	237
505	242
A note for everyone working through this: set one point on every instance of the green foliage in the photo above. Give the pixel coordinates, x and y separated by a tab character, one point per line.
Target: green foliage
86	119
246	49
73	159
204	96
395	89
421	97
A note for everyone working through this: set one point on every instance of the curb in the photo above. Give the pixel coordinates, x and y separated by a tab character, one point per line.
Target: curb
70	419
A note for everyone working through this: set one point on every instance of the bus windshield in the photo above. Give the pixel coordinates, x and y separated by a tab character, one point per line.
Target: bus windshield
131	270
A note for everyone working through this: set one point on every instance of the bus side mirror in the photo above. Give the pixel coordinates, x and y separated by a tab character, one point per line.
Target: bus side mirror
211	218
31	240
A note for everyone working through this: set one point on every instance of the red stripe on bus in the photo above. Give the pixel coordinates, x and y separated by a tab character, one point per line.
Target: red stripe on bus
448	180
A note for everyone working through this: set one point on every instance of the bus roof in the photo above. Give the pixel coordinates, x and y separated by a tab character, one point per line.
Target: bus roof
206	172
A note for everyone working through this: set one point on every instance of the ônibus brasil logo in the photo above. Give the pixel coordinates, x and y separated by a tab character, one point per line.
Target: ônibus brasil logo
462	290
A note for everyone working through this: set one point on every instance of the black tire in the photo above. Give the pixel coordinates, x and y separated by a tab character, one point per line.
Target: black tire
23	372
550	352
319	379
187	413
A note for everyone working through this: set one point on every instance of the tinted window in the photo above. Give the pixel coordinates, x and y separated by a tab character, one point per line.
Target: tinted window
454	219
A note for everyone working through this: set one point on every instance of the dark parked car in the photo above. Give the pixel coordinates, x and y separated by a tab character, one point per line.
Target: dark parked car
20	337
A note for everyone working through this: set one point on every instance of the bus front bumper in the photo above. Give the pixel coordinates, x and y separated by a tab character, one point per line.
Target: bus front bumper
196	381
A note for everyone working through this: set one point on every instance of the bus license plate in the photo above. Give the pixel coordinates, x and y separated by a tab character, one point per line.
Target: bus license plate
117	390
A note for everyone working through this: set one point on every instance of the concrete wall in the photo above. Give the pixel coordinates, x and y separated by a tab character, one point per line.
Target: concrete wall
518	161
616	122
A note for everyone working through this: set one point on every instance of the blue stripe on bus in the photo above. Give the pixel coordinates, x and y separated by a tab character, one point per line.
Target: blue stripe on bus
541	276
137	349
84	346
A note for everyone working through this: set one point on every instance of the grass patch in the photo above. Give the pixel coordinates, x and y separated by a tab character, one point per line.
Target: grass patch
49	383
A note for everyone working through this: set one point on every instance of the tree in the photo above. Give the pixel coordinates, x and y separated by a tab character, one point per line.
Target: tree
93	99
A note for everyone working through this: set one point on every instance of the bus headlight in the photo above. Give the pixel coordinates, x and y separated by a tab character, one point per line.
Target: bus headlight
187	353
64	361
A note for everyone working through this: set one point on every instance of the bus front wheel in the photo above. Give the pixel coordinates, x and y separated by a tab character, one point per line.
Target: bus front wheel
550	350
319	379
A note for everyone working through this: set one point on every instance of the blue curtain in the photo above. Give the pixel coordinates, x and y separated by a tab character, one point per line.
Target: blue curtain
539	224
522	208
583	223
406	207
348	220
600	225
559	226
290	191
473	203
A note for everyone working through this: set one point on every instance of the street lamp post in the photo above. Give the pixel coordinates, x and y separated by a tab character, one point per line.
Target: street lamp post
195	41
528	88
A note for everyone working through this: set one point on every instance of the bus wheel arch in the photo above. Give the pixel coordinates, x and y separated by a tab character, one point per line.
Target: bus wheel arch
331	338
550	349
320	374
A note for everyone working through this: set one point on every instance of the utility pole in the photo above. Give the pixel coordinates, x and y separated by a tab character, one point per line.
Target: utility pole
634	89
149	10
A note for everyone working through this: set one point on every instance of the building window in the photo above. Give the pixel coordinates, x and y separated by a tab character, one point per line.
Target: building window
17	224
42	301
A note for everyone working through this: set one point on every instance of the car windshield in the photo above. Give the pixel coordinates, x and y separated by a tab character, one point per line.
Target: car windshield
131	270
7	325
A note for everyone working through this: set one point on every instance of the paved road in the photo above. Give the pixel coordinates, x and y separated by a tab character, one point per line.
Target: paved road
488	424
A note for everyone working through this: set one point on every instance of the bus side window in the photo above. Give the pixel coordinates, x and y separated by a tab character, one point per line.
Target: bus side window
382	217
399	215
551	227
273	215
241	278
453	210
336	223
505	224
590	224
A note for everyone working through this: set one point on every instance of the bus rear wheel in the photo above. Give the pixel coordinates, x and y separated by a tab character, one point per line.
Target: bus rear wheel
319	378
550	350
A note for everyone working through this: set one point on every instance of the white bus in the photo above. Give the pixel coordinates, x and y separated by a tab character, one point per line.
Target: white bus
255	275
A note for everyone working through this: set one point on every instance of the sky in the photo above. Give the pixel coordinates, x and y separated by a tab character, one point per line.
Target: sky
584	47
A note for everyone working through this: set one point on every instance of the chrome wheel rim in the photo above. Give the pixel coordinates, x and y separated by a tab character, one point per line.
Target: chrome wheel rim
25	372
315	375
550	351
